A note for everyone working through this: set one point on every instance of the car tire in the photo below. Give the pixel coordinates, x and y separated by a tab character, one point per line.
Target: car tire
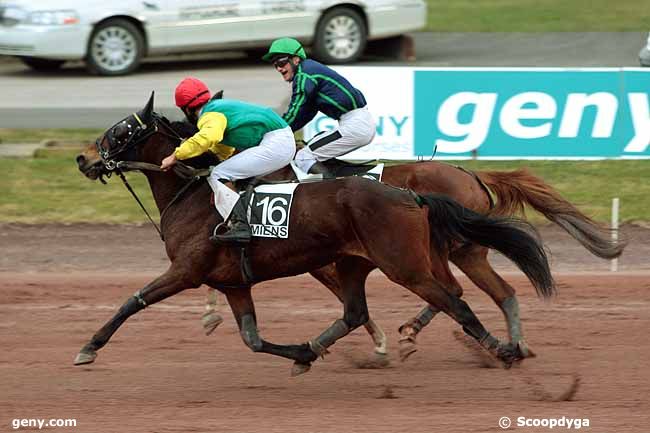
42	65
341	36
116	47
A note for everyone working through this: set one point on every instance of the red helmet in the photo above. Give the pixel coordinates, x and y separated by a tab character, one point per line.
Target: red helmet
191	93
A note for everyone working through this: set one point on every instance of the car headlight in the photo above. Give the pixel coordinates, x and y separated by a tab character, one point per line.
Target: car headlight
52	18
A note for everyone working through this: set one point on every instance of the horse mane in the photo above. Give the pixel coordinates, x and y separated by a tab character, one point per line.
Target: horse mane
183	128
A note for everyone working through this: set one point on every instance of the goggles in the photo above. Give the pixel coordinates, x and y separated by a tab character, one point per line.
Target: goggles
281	62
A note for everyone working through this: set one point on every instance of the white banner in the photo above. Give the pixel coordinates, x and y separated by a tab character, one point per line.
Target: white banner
502	113
389	93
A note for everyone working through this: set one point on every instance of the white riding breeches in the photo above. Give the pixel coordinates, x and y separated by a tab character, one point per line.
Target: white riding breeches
275	151
356	129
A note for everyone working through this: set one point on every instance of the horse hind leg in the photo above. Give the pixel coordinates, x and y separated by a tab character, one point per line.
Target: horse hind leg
440	296
474	263
410	329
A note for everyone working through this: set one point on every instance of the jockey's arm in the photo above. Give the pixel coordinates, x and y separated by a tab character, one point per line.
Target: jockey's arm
222	151
306	114
301	108
211	126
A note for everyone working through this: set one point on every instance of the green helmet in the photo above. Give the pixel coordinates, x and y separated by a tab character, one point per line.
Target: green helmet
287	46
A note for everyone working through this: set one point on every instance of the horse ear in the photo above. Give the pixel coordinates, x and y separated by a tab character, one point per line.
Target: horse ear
146	112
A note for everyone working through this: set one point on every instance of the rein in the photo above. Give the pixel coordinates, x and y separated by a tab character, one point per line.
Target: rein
181	170
128	187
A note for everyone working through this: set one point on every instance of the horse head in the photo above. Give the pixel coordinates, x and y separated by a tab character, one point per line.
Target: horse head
129	140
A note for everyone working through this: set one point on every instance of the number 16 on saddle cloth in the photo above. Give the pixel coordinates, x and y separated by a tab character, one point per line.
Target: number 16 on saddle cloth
269	209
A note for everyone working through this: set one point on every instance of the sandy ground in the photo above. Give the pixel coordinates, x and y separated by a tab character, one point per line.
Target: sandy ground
160	373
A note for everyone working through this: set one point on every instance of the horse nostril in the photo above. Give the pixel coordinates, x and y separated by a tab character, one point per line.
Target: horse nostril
81	159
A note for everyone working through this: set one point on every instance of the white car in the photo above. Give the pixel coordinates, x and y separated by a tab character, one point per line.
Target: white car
644	54
113	36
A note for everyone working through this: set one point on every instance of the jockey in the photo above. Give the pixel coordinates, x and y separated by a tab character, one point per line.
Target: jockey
264	140
318	88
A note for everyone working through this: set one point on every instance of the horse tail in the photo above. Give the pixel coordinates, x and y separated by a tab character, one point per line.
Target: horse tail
514	189
514	238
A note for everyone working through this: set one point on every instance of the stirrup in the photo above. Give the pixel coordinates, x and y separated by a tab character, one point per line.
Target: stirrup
220	229
229	237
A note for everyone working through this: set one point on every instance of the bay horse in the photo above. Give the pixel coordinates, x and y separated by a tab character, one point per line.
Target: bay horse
502	193
355	223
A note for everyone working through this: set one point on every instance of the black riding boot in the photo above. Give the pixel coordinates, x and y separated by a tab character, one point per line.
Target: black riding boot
239	232
319	168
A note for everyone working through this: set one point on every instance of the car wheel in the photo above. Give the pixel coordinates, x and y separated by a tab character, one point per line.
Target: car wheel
42	65
116	47
341	36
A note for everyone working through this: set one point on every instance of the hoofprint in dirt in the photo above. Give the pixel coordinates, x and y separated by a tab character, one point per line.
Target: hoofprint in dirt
161	374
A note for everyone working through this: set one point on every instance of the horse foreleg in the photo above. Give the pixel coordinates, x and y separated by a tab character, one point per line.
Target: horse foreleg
243	309
475	265
378	337
162	287
409	331
211	318
328	277
351	273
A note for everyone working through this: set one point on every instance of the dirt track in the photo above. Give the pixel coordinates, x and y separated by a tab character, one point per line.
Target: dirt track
58	284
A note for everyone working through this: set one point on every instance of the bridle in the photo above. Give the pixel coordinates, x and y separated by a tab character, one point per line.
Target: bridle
134	132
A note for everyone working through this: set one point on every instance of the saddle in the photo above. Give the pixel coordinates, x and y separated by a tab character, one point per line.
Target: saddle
340	168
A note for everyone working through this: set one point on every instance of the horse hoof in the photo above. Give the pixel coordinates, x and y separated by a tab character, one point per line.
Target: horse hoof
407	348
508	354
381	349
525	351
210	321
300	368
380	359
85	358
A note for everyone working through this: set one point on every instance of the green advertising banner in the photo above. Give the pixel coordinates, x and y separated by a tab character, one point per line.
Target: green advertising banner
532	113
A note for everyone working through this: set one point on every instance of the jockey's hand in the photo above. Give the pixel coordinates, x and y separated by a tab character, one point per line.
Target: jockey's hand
168	162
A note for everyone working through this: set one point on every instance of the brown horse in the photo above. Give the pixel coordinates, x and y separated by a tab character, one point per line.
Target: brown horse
331	222
512	190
